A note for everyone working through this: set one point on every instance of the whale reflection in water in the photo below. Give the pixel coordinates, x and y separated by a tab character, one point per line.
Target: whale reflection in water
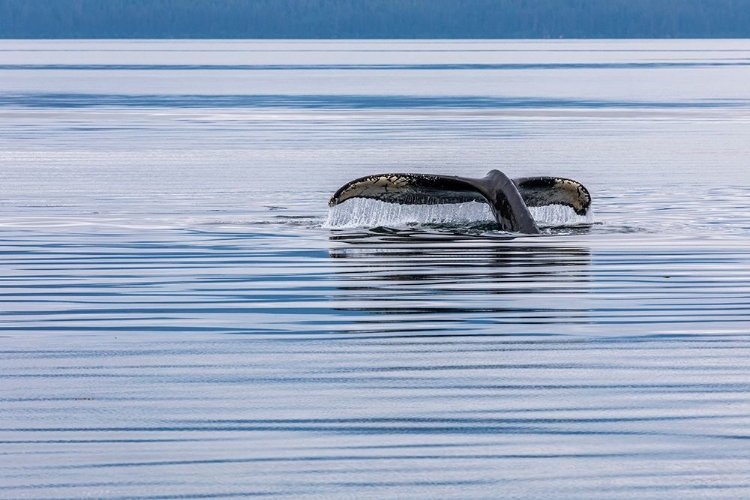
414	282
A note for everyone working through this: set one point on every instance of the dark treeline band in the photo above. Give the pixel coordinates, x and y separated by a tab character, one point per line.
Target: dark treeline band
374	18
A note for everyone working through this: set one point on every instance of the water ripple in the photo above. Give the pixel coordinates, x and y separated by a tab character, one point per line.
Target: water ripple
180	319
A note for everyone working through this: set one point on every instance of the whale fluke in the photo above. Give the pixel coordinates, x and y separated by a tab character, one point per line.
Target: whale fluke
544	191
508	198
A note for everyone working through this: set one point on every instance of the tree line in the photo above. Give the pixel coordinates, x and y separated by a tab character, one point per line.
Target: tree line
374	18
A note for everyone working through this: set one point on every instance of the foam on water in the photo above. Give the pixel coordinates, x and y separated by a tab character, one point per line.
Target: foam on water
359	213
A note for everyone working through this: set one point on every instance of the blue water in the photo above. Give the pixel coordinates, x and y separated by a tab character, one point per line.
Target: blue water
182	317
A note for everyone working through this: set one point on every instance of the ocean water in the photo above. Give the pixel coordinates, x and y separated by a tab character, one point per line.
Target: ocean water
182	317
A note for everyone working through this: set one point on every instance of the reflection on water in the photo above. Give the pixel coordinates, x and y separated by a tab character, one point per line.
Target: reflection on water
413	277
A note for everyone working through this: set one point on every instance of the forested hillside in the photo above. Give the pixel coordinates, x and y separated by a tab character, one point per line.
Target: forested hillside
374	18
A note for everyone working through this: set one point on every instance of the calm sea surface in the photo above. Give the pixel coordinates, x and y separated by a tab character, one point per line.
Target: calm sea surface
181	317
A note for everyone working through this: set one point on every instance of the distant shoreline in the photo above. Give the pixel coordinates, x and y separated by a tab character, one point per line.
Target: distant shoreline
374	19
405	39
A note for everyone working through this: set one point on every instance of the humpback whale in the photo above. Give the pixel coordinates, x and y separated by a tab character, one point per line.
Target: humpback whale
508	198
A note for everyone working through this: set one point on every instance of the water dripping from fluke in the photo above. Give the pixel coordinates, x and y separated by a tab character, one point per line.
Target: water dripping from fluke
469	218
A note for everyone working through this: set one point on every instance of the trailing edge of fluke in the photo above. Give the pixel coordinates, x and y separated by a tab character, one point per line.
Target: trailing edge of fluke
509	199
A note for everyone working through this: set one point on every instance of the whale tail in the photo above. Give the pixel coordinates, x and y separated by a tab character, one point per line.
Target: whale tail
508	198
544	191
